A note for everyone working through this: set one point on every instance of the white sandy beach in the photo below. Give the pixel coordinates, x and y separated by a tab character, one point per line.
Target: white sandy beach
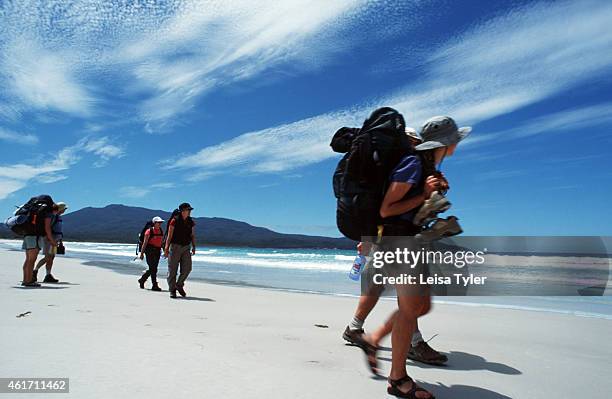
114	340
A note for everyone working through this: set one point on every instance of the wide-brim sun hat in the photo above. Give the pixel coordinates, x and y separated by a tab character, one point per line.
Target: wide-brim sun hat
441	131
157	219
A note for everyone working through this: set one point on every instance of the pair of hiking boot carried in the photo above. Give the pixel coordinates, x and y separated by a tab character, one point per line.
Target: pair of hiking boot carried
436	228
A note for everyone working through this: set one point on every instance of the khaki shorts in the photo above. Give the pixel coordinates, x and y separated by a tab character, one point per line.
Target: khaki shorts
374	281
33	242
47	248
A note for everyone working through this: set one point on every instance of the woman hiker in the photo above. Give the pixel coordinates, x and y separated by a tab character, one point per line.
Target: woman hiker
420	350
151	247
411	183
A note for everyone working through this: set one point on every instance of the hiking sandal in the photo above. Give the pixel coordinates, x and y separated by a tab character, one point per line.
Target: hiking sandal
394	389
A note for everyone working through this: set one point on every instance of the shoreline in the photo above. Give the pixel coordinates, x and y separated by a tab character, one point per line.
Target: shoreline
208	244
469	301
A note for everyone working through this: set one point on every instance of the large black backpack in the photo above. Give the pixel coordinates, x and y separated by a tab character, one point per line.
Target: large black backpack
29	219
175	214
361	177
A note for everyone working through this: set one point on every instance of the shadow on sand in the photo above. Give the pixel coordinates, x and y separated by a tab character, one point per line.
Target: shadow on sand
469	361
461	391
195	298
42	287
466	362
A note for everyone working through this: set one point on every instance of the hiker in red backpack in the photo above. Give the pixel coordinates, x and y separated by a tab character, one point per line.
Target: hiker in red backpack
151	247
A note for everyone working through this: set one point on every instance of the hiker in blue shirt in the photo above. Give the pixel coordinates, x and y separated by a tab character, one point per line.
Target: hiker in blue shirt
440	136
409	170
49	251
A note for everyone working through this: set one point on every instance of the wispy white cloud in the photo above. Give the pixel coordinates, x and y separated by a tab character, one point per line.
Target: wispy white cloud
493	69
103	149
14	177
51	178
512	61
485	175
143	191
271	150
9	186
165	55
134	192
268	185
163	185
202	48
17	176
41	79
583	118
18	138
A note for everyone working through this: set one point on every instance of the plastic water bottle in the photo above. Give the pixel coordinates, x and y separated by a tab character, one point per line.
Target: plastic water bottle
358	265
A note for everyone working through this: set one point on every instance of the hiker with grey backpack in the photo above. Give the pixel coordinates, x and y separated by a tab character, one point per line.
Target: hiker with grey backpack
32	221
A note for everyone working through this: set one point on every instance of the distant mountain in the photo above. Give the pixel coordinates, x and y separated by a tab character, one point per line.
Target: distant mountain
120	223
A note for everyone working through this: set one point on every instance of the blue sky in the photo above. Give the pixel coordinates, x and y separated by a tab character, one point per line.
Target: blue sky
230	105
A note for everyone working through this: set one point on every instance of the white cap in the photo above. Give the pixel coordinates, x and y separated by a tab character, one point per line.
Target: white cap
411	132
157	219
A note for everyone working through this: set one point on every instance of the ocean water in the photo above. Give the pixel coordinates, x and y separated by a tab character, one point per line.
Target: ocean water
319	272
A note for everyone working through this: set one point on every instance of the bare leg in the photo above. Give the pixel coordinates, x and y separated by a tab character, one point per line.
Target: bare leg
28	264
368	301
382	331
379	334
410	308
50	260
41	263
365	306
